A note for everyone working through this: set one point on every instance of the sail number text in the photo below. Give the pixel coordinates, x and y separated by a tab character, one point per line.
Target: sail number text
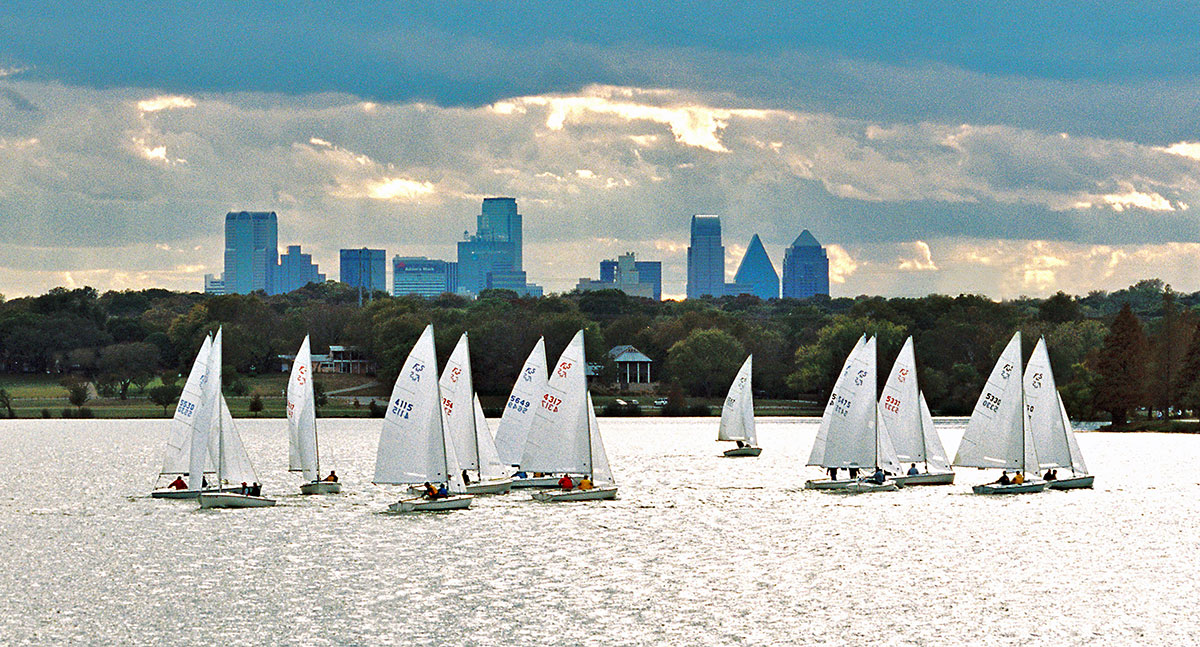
991	403
551	403
519	405
401	408
891	403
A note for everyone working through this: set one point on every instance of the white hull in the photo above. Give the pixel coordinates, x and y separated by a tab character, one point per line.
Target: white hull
1072	483
937	478
233	500
458	502
1012	488
535	482
499	486
743	451
594	494
168	493
862	487
827	484
321	487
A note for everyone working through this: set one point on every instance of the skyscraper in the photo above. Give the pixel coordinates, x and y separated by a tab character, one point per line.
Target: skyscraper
296	270
251	251
648	272
756	274
706	258
492	258
805	268
424	277
365	268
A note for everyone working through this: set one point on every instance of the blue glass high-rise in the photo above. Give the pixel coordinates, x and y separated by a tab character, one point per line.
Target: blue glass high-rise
805	268
365	268
706	258
756	274
251	252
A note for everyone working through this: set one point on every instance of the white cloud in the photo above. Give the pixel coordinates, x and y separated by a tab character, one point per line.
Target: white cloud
1184	149
922	262
841	264
398	188
165	103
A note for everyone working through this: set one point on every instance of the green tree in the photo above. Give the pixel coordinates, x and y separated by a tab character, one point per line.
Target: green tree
1121	367
817	365
128	363
1059	308
706	361
1168	349
320	398
77	393
256	405
6	402
165	395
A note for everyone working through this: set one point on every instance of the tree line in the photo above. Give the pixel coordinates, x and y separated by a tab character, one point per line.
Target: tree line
1114	353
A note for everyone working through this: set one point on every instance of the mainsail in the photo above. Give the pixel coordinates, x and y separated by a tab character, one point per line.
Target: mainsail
413	444
906	415
207	416
179	440
490	467
849	427
458	393
817	456
601	472
558	438
997	436
301	415
519	412
737	414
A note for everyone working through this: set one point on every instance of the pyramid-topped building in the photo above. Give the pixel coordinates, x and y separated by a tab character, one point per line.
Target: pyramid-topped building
805	268
756	274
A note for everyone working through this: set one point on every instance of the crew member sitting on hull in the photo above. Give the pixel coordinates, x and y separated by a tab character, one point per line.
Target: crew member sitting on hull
878	477
178	484
1018	478
913	471
1003	480
430	491
443	492
565	482
332	478
585	483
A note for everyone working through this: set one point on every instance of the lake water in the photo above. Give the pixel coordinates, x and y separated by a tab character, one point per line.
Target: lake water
698	550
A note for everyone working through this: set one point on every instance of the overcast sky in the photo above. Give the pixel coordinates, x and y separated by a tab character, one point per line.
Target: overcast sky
1000	148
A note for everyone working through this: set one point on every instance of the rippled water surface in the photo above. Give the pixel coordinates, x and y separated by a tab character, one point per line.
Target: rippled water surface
698	550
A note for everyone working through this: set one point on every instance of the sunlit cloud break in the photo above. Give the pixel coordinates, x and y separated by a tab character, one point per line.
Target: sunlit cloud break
166	103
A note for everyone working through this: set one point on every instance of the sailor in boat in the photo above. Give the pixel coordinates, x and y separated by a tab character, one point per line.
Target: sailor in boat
430	491
466	478
913	471
332	478
245	488
178	484
878	477
565	482
443	492
740	444
833	474
1003	480
1051	475
585	483
256	489
1018	478
521	474
853	472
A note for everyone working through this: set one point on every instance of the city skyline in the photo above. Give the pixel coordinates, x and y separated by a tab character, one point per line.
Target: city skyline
925	165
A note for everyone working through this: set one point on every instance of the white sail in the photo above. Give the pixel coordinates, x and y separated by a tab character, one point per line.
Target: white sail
737	414
207	416
558	438
900	407
885	451
179	440
490	466
601	472
817	456
412	447
1077	464
519	412
302	416
458	392
235	462
995	436
935	454
852	438
1044	412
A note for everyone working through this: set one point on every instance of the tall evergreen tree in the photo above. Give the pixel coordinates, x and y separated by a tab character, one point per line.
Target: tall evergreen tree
1121	366
1188	389
1169	347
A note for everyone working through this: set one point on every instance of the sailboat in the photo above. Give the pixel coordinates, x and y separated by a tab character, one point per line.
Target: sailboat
473	443
233	464
1051	427
998	435
518	416
737	415
414	445
177	457
906	415
303	452
564	436
852	433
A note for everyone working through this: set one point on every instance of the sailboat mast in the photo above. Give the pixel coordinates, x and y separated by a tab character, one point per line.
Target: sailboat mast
220	434
587	402
924	446
1025	420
